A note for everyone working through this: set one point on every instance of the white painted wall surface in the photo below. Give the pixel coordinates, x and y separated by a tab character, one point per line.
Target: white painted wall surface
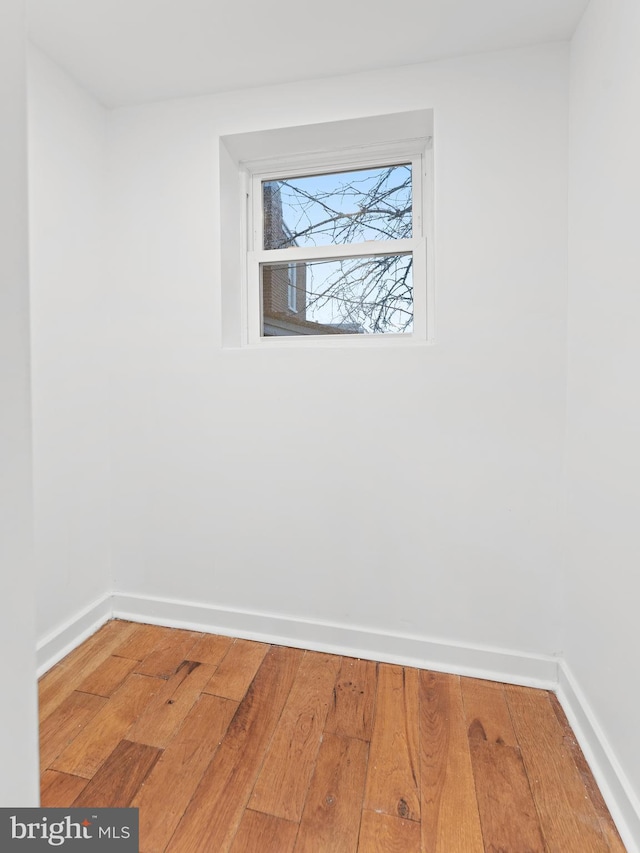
70	310
412	490
18	713
603	461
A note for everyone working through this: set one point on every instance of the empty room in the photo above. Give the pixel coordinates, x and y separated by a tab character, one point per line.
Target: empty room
320	415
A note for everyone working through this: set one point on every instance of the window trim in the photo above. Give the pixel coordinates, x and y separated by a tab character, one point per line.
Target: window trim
414	151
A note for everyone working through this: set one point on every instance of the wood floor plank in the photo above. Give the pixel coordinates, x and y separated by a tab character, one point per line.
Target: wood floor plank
118	780
284	779
237	669
99	738
485	701
606	822
59	790
508	813
166	793
329	821
165	713
64	677
211	648
107	676
351	713
169	654
449	812
569	821
60	729
213	816
393	776
382	833
142	640
264	833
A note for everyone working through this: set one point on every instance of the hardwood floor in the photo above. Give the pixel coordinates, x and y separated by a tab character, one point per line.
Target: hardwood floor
239	746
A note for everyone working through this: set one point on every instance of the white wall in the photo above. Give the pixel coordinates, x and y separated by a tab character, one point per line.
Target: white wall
603	463
69	285
412	490
18	714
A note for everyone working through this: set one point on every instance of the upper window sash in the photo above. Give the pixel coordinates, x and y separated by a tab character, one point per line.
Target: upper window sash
307	166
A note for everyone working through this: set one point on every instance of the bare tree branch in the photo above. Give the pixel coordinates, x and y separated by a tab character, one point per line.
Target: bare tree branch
374	293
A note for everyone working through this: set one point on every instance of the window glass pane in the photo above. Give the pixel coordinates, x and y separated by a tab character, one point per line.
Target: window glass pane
337	209
370	295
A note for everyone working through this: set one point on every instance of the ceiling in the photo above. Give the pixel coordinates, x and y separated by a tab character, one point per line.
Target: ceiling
131	51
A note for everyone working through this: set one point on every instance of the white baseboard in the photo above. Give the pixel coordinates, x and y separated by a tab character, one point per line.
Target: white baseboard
426	653
58	643
609	775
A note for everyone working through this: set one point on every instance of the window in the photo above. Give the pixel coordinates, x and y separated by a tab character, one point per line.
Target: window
329	239
337	245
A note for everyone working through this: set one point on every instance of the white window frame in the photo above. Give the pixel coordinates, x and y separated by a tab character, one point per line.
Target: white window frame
415	151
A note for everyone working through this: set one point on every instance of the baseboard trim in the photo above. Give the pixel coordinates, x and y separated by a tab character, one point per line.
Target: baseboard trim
609	775
57	644
474	661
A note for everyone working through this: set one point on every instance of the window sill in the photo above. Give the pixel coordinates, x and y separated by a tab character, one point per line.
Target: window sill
387	341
